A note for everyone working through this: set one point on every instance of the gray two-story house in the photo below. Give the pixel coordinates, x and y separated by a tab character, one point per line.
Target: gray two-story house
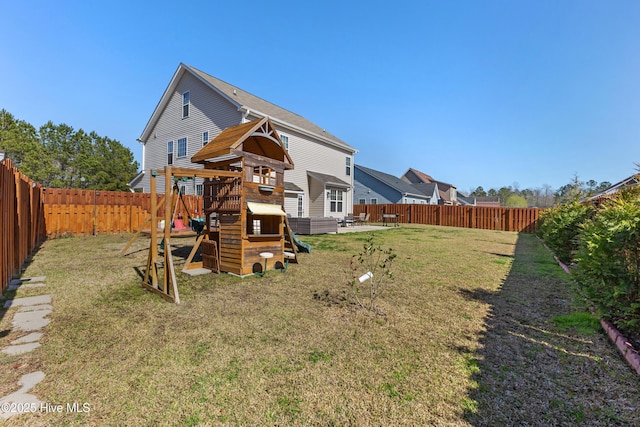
375	187
196	107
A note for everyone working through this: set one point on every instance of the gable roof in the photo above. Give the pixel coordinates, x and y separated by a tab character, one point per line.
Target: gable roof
248	103
423	177
257	137
466	200
393	182
427	188
420	176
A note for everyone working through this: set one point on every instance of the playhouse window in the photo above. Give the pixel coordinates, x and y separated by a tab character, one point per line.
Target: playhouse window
262	224
264	175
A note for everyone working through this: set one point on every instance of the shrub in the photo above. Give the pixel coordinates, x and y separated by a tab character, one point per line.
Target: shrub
608	259
559	226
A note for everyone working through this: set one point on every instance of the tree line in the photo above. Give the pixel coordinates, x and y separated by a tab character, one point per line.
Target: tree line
545	196
61	157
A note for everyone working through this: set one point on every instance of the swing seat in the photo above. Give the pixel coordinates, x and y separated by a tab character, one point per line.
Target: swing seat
178	225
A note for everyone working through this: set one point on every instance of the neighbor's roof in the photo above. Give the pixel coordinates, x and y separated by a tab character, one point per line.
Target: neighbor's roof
424	178
631	181
245	101
427	188
393	182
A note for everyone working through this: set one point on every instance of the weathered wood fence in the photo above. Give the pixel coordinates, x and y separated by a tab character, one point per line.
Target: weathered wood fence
89	212
22	226
488	218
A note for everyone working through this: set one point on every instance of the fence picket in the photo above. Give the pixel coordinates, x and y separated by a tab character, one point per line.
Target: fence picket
487	218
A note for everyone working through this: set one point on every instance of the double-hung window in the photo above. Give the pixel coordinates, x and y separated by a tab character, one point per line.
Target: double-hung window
285	141
335	197
182	147
205	138
348	165
170	152
186	101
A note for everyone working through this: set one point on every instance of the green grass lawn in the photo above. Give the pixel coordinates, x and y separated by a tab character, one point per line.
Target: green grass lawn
477	330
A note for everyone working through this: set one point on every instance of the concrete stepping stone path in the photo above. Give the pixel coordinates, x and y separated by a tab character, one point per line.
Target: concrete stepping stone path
31	317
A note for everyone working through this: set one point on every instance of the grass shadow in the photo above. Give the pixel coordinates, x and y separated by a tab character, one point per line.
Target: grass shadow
531	371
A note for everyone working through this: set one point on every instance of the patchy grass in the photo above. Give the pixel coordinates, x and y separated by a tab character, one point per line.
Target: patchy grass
468	337
585	323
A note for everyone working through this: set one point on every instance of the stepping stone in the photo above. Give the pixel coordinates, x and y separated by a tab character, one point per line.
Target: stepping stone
32	337
17	302
197	271
27	279
13	350
35	308
16	286
31	320
27	382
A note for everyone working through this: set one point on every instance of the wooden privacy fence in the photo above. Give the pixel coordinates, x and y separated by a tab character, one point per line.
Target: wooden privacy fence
22	226
87	212
488	218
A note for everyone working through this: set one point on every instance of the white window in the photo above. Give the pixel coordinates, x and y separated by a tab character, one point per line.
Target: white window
205	138
374	201
362	202
182	147
183	189
186	101
285	141
300	205
170	152
348	165
199	189
335	198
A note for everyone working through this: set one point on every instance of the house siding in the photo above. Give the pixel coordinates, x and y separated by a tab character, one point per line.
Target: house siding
308	154
208	111
212	112
366	187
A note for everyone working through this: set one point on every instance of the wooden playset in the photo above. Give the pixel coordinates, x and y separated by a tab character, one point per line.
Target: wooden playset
245	227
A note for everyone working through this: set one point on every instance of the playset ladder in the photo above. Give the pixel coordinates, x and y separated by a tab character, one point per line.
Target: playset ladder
289	243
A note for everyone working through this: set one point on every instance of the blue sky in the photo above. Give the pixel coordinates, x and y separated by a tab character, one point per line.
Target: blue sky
472	92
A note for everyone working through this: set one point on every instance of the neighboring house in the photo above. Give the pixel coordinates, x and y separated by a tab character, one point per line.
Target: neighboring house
605	194
375	187
196	107
488	201
448	194
465	200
